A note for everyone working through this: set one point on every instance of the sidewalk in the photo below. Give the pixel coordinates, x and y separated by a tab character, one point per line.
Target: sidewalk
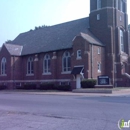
80	92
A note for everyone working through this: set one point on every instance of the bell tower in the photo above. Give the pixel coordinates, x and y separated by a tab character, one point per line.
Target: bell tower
108	21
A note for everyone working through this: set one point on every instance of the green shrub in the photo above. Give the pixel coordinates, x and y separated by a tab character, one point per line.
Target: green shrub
63	87
51	86
46	86
29	86
2	87
19	87
88	83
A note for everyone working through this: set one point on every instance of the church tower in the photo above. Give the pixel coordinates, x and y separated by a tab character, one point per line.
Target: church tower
109	23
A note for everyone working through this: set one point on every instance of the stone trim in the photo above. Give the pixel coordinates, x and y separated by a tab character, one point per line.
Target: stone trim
48	80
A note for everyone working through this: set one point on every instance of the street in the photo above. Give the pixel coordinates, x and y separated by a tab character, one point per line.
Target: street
56	112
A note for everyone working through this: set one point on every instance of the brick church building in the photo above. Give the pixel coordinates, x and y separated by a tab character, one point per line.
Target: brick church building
69	52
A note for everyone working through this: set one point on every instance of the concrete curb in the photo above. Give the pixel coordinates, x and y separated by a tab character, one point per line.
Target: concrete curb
79	92
105	91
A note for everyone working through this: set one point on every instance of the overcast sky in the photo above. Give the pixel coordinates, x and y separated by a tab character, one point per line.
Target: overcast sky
17	16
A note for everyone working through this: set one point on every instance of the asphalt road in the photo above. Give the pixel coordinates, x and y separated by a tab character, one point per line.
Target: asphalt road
56	112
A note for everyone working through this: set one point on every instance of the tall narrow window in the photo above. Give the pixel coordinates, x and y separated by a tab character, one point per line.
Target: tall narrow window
47	63
79	54
3	66
120	18
98	16
121	5
30	67
121	41
98	4
117	4
66	62
99	67
115	69
99	50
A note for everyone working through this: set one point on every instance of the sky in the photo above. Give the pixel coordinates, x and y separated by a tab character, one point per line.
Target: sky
18	16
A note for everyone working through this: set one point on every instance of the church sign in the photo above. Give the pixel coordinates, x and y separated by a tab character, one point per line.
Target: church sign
103	80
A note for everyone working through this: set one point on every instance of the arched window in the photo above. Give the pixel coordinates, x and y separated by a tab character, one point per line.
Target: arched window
121	41
3	66
47	64
98	4
30	67
66	62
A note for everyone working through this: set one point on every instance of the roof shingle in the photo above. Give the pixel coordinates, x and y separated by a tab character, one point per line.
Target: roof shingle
88	36
14	50
53	38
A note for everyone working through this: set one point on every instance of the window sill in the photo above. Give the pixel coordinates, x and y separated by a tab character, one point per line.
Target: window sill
79	58
29	74
121	11
3	75
67	72
46	73
99	71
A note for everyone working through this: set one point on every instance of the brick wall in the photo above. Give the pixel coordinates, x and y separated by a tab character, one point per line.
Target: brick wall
90	57
5	53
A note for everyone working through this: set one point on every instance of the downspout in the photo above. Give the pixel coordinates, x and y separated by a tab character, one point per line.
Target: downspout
91	61
13	71
113	55
114	41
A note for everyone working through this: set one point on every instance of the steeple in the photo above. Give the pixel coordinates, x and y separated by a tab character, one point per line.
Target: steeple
107	18
108	21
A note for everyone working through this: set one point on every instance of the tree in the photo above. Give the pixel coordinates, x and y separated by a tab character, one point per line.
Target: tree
40	27
8	41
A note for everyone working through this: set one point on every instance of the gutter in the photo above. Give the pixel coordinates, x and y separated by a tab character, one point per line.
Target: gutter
13	71
91	61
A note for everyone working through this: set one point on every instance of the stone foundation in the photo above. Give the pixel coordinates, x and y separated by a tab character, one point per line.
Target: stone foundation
103	86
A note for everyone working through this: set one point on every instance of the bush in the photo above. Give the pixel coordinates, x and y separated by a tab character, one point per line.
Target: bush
2	87
88	83
46	86
64	87
51	86
29	86
19	87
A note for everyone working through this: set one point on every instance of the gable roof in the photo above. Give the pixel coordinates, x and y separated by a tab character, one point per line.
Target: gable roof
88	36
52	38
14	50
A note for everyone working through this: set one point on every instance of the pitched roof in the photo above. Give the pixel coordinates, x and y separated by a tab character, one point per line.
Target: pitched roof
51	38
14	50
88	36
77	70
